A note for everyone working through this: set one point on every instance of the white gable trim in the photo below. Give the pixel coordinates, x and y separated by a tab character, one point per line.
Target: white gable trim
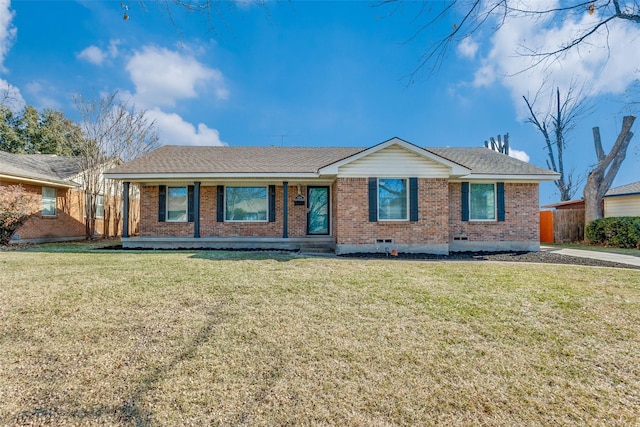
456	169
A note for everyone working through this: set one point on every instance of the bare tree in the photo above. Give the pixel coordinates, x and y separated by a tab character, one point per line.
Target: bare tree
499	146
114	132
554	128
602	175
214	11
470	17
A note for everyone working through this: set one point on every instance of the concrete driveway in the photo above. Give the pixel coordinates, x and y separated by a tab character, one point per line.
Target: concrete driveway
604	256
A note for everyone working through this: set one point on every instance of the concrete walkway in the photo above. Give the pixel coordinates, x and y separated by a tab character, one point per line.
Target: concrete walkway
604	256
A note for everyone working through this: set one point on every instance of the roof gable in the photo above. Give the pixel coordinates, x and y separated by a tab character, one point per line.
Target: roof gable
432	160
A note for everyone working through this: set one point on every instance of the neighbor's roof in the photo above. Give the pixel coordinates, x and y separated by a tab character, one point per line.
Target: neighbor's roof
40	168
624	190
178	160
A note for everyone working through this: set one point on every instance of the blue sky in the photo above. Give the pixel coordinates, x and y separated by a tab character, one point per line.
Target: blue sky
310	74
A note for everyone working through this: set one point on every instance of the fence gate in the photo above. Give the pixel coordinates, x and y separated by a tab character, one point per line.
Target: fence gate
546	226
562	226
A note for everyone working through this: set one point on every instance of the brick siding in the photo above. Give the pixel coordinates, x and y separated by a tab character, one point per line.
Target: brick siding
439	221
209	227
67	223
522	221
352	215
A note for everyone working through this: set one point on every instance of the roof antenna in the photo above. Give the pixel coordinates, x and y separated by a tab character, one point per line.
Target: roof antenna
282	136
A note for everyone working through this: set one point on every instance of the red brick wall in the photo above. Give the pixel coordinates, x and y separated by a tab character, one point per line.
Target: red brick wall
68	221
352	226
522	221
209	227
297	214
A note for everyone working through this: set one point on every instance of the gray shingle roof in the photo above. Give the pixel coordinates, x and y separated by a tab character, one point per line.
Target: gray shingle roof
223	159
40	167
485	161
633	188
173	159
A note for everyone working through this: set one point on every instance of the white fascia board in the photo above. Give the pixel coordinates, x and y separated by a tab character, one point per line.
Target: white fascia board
208	176
512	178
39	181
456	169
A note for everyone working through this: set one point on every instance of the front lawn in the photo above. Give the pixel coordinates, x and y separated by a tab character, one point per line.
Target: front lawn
214	338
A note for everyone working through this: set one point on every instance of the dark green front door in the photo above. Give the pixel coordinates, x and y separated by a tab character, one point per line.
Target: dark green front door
318	210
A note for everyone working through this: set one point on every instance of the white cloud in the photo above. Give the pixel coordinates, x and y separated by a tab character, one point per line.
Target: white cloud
520	155
162	77
41	95
97	56
604	64
468	48
92	54
7	30
172	129
10	96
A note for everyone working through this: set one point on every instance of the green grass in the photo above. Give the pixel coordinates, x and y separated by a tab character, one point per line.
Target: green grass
217	338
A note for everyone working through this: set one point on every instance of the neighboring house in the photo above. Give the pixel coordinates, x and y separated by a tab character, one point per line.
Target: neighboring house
569	204
54	180
394	195
623	200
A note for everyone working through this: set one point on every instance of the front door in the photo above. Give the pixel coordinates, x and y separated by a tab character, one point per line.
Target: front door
318	210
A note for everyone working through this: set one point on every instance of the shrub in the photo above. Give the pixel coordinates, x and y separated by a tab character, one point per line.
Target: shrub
622	232
16	207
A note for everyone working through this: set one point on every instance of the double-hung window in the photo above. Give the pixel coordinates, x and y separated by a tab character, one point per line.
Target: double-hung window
393	200
246	204
99	206
48	201
482	202
177	203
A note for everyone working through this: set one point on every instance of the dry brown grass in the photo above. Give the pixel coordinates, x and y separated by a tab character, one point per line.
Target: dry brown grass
208	338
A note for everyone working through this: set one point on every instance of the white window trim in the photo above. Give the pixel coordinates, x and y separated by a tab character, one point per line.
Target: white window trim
186	188
55	203
495	203
406	181
266	187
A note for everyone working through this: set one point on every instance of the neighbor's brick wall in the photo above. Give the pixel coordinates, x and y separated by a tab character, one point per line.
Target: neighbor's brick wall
68	221
352	224
522	219
209	227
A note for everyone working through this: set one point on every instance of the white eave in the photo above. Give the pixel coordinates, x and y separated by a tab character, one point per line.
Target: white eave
456	169
36	181
509	177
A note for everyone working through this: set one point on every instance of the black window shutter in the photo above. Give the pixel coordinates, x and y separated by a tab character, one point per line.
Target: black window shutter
220	204
190	205
465	201
162	203
500	191
413	199
373	199
272	203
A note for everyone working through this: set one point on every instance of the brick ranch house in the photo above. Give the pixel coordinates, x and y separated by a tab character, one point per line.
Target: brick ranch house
54	180
391	196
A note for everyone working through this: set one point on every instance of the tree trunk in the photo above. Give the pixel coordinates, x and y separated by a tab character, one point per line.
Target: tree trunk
601	177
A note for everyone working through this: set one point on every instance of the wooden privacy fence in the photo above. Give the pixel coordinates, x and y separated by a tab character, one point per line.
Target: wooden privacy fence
562	226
